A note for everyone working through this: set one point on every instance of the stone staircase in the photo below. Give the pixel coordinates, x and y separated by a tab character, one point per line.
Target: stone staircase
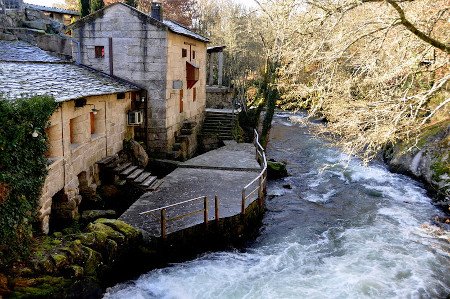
180	148
219	122
128	173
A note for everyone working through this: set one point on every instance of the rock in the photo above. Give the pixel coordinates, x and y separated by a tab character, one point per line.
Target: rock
4	289
109	192
33	15
37	24
7	36
428	161
111	233
92	215
138	153
60	260
276	170
124	228
93	263
287	186
41	287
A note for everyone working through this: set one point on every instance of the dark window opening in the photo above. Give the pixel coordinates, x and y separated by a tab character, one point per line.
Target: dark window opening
121	96
193	54
81	102
99	51
181	100
194	94
184	53
192	75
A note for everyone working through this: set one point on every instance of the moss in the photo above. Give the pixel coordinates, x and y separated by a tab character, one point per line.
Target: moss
122	227
93	262
105	229
60	260
42	287
276	170
440	168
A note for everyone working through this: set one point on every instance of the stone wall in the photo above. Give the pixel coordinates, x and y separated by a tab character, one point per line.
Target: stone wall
69	159
193	109
147	54
139	55
219	97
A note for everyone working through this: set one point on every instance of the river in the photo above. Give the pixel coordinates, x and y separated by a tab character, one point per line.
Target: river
341	231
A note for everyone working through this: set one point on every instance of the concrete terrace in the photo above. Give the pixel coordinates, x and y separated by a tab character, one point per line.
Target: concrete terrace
222	172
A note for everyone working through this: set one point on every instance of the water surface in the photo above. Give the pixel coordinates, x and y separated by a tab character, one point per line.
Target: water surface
333	229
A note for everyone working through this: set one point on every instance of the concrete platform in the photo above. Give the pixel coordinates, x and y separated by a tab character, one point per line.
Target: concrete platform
223	172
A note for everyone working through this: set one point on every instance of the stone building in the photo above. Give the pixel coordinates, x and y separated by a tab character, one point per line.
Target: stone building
89	124
64	16
165	58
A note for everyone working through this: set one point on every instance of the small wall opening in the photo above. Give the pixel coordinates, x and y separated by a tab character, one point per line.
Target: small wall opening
77	130
54	139
60	215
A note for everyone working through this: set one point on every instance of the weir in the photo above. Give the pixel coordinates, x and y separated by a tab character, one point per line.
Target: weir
218	195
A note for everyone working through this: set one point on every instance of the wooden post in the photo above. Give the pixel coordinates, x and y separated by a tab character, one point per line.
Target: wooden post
220	70
163	223
205	210
243	202
260	190
216	208
211	70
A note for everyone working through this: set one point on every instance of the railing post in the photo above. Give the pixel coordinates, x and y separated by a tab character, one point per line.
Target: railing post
243	202
216	208
205	210
163	223
260	191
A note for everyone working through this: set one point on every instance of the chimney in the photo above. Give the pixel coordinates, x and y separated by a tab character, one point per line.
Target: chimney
157	12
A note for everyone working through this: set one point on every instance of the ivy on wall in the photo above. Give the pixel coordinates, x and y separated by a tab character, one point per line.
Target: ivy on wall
23	144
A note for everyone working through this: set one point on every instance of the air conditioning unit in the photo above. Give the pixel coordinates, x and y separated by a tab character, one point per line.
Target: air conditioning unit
135	118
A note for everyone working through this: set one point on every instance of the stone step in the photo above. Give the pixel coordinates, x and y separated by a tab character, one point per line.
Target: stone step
189	124
135	174
155	185
148	182
186	131
128	170
142	177
122	167
182	138
106	160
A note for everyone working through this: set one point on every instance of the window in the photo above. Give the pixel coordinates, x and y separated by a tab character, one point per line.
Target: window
92	116
77	130
181	100
121	96
193	54
194	94
183	53
99	51
192	74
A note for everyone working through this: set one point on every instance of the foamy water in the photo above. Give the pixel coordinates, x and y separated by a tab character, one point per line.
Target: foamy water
349	231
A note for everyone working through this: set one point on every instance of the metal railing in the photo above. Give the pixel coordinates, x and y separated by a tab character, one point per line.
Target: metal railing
259	183
177	212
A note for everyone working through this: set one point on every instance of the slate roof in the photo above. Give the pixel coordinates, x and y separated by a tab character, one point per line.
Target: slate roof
22	51
180	29
29	72
53	9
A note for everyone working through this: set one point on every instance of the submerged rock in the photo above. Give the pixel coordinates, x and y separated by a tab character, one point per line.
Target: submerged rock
276	170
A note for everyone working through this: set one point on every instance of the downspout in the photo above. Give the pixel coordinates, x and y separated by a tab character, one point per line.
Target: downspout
111	57
78	59
62	144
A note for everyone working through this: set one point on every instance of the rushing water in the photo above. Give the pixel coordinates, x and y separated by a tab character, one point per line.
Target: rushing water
344	231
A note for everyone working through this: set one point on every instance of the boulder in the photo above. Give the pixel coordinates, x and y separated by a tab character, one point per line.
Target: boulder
33	15
92	215
138	153
7	36
276	170
37	24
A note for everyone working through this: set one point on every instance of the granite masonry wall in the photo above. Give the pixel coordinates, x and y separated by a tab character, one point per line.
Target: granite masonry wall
147	54
77	142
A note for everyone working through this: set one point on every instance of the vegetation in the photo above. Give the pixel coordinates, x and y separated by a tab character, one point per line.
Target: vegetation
85	7
22	170
96	5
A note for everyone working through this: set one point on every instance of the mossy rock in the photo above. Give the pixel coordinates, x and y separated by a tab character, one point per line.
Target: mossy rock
122	227
93	264
42	287
276	170
92	215
106	229
60	260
